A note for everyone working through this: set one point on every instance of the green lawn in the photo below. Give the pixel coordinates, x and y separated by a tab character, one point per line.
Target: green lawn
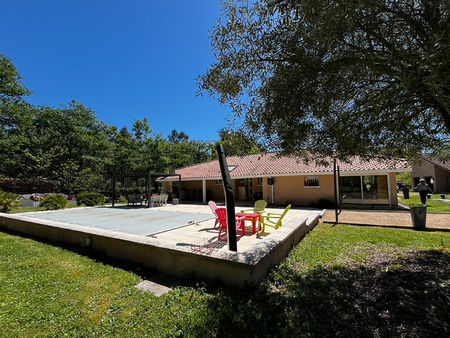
432	204
341	280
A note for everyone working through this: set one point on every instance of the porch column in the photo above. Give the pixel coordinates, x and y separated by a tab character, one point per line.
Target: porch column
389	189
204	191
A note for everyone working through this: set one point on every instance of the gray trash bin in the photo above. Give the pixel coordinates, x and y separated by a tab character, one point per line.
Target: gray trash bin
175	201
405	193
419	216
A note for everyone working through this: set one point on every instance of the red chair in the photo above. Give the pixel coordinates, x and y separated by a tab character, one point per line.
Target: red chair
213	207
222	216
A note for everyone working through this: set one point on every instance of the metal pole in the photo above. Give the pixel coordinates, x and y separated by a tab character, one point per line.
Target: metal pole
229	199
179	189
114	190
335	192
149	193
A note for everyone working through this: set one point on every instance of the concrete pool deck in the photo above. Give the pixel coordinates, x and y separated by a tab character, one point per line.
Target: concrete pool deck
194	249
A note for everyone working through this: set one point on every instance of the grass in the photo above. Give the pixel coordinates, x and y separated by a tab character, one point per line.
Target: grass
341	280
432	204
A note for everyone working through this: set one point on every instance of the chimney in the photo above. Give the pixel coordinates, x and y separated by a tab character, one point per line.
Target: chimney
172	168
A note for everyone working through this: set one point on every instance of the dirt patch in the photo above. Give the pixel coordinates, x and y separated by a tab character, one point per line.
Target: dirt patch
389	294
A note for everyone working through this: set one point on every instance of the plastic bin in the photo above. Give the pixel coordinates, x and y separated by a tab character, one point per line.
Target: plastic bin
405	193
175	201
419	216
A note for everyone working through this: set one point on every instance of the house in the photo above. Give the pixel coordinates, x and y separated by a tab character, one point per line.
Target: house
283	180
435	172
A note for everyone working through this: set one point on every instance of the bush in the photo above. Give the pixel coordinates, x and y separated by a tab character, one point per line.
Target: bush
54	202
27	186
8	200
90	198
325	203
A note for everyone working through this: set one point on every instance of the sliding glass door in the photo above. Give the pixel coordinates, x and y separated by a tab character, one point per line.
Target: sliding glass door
366	189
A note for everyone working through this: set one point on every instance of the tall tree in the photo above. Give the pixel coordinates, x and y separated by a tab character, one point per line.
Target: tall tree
336	77
238	143
11	86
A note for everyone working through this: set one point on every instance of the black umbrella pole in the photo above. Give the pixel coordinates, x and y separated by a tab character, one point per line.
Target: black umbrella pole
229	199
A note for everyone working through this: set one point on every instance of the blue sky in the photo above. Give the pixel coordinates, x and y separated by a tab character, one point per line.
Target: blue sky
124	59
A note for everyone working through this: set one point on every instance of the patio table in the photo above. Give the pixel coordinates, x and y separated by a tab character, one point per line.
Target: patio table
253	217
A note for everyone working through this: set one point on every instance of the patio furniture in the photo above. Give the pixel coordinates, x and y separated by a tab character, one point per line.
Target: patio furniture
259	207
154	200
252	217
134	199
222	215
163	199
273	219
213	207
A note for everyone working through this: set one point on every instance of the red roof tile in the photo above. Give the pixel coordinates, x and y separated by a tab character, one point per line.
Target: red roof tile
269	164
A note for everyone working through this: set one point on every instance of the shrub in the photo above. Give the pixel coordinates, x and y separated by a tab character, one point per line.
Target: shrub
8	200
54	202
326	203
90	198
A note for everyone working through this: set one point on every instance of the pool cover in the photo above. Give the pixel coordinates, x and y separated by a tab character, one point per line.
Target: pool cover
137	221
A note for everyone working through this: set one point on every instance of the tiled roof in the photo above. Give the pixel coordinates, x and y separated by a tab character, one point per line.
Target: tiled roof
270	164
439	163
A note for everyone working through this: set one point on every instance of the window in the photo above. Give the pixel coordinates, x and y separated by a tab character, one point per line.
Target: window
260	181
311	181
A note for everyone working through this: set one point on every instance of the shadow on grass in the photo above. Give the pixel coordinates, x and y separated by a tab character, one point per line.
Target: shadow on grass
404	296
145	273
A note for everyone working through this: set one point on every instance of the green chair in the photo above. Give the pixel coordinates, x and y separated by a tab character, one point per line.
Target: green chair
277	218
259	207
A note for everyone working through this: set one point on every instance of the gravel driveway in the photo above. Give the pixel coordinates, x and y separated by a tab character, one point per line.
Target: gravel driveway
387	218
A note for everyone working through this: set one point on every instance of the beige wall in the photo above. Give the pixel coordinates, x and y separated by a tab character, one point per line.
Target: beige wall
441	181
291	189
214	191
441	178
287	189
422	168
392	183
191	190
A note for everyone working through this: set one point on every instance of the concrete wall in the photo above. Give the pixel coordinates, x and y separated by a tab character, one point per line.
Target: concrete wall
233	268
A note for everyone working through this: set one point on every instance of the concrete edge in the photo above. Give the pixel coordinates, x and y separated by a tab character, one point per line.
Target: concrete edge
233	268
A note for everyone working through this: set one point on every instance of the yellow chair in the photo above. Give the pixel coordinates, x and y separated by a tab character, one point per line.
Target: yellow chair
277	218
259	207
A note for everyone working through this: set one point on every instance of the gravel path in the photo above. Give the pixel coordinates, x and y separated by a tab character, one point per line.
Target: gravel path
387	218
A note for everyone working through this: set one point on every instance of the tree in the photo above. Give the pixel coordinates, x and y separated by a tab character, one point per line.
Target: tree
238	143
177	137
336	77
11	86
182	152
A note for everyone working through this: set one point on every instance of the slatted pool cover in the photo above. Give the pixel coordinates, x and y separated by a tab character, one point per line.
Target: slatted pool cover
137	221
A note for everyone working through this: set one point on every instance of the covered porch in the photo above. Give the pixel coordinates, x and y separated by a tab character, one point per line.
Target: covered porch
204	190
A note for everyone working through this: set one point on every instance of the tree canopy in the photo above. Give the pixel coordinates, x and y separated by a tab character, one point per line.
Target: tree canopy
238	143
336	77
10	81
71	146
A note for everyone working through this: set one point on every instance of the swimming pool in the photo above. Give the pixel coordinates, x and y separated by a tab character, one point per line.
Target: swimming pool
137	221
